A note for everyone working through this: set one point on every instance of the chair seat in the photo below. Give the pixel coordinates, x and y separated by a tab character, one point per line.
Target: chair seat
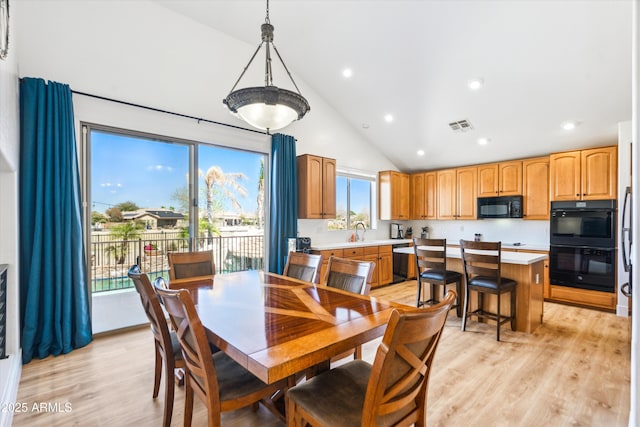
491	283
336	397
234	381
448	276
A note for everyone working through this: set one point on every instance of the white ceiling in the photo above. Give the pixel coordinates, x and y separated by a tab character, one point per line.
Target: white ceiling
542	62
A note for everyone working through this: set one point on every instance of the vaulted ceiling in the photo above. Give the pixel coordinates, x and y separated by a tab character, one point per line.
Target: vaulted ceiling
542	64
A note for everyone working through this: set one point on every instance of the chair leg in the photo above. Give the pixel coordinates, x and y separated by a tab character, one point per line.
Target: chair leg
513	309
459	298
169	389
433	297
158	371
418	300
498	314
188	402
466	309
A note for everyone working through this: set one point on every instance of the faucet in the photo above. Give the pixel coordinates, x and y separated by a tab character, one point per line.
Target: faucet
364	230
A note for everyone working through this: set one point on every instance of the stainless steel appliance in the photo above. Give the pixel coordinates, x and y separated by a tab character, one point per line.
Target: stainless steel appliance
583	244
397	231
626	234
400	264
500	207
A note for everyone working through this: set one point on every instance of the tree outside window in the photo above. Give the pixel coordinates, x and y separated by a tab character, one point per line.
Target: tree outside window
354	201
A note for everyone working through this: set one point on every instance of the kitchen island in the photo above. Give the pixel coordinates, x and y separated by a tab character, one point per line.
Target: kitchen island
527	269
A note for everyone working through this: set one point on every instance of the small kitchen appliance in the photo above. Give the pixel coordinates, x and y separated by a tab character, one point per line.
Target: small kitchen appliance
397	231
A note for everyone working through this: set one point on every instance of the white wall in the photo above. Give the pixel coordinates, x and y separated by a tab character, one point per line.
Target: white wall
10	368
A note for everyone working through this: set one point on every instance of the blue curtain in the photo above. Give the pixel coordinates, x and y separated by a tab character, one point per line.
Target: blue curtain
54	305
283	196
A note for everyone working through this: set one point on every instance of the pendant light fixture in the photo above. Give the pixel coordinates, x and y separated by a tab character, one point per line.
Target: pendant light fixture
267	107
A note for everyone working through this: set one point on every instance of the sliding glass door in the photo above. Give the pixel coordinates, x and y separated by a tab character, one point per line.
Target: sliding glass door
148	195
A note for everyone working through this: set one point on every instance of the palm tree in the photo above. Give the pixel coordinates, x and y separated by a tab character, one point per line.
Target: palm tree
226	185
124	232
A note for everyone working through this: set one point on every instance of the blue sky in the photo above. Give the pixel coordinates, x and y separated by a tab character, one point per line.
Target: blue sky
148	172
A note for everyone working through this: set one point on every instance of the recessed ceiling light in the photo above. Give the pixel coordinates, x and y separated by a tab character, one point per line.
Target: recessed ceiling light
569	125
388	118
347	72
483	141
475	84
420	152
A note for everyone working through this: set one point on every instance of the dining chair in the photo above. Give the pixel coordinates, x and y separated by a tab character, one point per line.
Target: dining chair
190	269
392	391
220	382
431	267
482	270
303	266
166	344
350	275
353	276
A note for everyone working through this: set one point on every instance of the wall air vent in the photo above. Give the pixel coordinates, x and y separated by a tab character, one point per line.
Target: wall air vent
461	126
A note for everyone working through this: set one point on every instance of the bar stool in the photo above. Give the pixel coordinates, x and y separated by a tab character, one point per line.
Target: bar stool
431	267
481	262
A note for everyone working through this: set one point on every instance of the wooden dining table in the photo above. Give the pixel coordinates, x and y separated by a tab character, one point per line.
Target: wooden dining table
276	326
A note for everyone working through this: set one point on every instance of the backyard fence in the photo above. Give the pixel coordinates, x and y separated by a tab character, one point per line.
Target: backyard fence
111	259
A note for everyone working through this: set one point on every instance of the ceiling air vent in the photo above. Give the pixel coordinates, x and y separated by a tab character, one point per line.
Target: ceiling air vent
461	126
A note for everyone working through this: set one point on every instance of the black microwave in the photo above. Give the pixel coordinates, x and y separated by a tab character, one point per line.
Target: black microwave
500	207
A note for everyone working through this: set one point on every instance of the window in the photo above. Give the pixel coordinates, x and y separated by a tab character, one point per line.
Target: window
355	198
149	195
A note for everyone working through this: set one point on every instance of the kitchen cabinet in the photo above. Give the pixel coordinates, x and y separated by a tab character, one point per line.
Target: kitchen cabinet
500	179
393	195
584	297
316	187
584	174
423	191
535	188
457	192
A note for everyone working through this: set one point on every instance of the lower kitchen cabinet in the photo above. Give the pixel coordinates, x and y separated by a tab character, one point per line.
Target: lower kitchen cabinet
605	300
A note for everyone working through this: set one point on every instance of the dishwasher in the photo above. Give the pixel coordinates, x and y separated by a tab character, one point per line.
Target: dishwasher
400	264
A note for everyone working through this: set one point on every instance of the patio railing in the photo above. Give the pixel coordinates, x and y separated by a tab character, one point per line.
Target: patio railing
111	259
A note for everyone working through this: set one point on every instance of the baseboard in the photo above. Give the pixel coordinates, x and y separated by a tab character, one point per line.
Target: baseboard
623	310
10	371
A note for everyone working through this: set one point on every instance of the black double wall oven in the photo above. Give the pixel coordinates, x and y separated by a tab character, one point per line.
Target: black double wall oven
583	244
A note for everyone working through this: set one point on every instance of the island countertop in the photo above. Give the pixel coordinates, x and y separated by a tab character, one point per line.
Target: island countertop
508	257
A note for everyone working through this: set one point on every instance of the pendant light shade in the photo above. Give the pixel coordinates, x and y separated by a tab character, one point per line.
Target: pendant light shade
267	107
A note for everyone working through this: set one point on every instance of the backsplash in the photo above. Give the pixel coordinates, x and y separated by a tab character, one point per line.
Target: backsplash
504	230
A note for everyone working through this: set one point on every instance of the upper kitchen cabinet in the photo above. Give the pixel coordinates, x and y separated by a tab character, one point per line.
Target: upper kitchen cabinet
423	195
393	193
500	179
316	187
584	175
457	193
535	182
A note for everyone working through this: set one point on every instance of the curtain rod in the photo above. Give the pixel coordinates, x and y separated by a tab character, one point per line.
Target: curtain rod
167	112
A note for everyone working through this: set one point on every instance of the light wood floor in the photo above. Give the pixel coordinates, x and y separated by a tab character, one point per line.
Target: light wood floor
573	371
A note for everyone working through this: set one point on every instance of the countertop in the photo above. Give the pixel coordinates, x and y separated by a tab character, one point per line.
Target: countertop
523	258
343	245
